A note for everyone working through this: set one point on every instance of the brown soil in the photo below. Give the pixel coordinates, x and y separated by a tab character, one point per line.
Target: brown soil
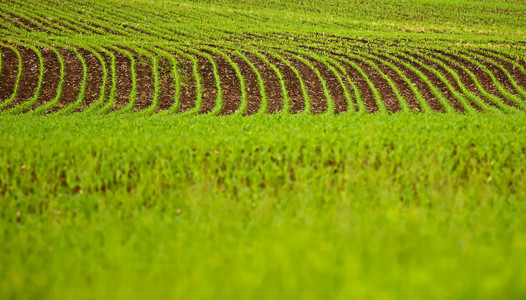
166	85
251	84
51	80
401	85
444	90
387	94
229	84
333	84
516	73
29	78
271	80
422	87
367	94
124	78
8	75
94	79
313	85
188	85
72	79
292	82
145	83
208	85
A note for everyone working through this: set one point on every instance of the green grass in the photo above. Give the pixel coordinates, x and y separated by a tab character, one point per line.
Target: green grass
371	206
125	205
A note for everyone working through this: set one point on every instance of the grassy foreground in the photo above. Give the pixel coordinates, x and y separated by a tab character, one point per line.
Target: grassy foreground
353	206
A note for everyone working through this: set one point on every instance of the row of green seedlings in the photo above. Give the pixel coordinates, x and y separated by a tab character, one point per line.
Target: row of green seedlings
434	89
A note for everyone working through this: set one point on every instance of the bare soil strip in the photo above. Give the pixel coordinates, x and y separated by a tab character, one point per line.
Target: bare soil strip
188	85
229	84
272	86
251	83
296	101
124	79
94	79
333	84
367	94
9	73
29	78
166	87
208	86
72	79
444	90
51	79
313	85
387	94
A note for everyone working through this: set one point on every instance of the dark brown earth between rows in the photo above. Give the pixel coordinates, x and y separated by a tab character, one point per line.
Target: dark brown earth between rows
286	63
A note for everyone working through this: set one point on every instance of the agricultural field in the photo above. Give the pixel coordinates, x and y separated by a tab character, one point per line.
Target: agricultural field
262	149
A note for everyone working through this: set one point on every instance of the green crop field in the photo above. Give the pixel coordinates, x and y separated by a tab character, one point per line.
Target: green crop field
227	149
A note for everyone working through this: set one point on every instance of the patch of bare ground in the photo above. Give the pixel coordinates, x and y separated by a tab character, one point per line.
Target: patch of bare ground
72	79
515	73
468	82
166	84
208	85
361	83
292	82
333	84
123	68
420	84
271	80
145	82
29	78
9	73
94	79
188	83
313	85
401	85
444	90
387	94
229	84
251	84
51	80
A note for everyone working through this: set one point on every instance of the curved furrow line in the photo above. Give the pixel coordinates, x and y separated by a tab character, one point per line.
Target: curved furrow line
336	86
169	82
269	80
299	100
44	23
6	97
49	88
235	95
446	94
518	70
29	95
94	104
192	106
424	84
358	101
496	65
177	81
212	85
58	13
410	96
69	103
126	89
375	64
372	100
23	22
254	102
275	104
424	60
149	94
319	103
366	70
489	102
505	96
414	86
